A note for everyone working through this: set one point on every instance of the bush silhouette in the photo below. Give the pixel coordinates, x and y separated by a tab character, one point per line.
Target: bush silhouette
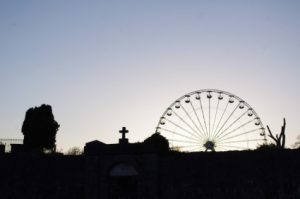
39	129
267	146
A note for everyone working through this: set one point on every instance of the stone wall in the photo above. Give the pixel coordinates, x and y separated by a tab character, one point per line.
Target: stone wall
258	174
41	177
231	175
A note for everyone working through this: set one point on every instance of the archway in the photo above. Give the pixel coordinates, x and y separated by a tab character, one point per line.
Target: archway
123	182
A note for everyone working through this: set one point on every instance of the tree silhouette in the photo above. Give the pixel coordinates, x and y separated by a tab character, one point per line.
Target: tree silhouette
39	129
74	151
279	139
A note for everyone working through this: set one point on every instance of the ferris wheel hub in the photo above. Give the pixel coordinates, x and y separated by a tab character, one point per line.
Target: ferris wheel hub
209	145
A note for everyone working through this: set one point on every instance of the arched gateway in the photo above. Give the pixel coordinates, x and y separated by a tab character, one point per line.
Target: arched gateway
123	182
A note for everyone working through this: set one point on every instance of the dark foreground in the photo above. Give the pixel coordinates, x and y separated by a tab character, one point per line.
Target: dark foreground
256	174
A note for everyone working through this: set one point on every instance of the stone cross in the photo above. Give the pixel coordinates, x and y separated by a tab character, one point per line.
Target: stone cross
123	140
123	132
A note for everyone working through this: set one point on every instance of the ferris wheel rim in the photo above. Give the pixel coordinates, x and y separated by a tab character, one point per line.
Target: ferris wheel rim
240	100
211	90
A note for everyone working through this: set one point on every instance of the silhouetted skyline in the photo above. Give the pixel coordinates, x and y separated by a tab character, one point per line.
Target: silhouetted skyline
104	65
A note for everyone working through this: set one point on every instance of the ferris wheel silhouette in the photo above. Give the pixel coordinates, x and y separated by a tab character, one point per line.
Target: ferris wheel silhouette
211	120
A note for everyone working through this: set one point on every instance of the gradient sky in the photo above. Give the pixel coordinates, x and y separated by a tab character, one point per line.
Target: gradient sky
102	65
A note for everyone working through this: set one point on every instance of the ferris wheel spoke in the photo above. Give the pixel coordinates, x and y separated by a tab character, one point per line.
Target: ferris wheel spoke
235	121
183	141
179	134
214	133
231	146
189	116
240	134
222	148
209	117
187	125
225	148
203	115
227	120
203	132
239	141
241	126
189	146
215	116
183	129
194	149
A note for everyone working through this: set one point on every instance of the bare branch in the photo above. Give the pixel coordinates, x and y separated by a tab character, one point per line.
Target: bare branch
270	134
279	139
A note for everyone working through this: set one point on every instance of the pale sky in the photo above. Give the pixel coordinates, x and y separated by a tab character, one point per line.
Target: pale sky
102	65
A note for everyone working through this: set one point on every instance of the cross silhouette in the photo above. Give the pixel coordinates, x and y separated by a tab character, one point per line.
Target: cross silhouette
123	132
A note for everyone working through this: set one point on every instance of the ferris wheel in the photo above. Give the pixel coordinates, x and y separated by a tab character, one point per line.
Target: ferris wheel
211	120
